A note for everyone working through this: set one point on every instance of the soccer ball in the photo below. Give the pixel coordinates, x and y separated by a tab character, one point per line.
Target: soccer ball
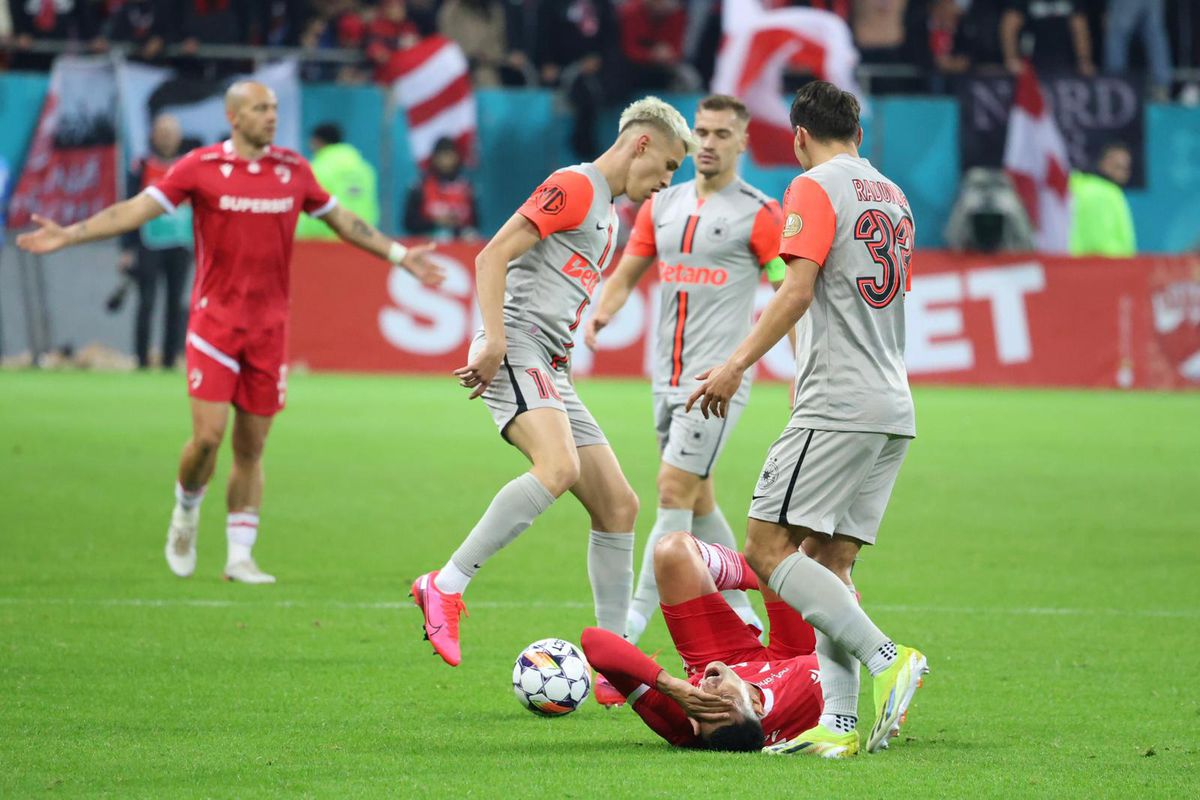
551	677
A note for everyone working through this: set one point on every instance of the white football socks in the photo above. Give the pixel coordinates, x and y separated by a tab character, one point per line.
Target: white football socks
188	500
241	531
513	509
610	569
645	597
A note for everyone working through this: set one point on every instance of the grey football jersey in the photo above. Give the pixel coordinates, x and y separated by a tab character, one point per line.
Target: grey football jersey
550	285
850	374
710	256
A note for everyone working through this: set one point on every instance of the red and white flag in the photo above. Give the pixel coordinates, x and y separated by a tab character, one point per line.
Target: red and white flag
759	45
1035	158
432	82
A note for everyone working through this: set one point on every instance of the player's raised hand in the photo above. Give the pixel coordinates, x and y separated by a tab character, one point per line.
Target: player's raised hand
720	385
48	237
480	370
596	323
422	267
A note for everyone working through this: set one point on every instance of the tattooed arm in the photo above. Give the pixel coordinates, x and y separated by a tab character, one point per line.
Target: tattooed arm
354	230
125	216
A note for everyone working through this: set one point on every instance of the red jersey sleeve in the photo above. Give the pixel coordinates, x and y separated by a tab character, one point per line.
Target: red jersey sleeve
560	204
178	184
635	674
317	202
641	240
764	236
809	222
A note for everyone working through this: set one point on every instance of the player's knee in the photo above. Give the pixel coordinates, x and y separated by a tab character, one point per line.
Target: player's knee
207	439
676	489
625	509
247	452
558	474
674	548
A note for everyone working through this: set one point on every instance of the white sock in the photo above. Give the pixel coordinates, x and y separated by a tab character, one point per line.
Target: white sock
241	531
188	500
822	599
610	568
883	657
513	509
714	529
839	682
645	597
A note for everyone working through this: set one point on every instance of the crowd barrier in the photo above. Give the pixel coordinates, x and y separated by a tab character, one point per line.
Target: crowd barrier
1020	320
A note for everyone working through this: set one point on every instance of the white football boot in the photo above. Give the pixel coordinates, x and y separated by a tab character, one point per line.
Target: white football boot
181	541
246	571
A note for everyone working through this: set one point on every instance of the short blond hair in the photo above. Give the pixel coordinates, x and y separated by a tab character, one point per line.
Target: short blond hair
653	111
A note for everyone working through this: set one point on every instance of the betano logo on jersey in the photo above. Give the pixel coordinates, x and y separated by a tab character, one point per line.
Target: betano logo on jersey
257	205
697	276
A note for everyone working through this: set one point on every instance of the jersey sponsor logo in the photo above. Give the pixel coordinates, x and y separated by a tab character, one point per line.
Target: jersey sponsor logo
577	267
257	205
792	224
700	276
868	191
550	199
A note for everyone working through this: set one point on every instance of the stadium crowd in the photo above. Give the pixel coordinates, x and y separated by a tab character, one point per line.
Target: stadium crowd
631	44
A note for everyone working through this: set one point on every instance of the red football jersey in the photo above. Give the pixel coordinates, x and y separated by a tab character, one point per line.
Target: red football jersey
244	217
791	699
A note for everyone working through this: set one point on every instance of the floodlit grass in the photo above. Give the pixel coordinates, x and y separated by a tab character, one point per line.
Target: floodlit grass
1043	548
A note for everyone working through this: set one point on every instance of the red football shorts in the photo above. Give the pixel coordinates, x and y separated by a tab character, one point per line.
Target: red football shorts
707	629
247	368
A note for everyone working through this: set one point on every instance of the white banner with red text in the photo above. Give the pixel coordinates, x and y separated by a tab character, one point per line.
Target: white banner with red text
972	319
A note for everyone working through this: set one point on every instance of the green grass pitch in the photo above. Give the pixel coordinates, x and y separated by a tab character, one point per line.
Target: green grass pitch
1042	547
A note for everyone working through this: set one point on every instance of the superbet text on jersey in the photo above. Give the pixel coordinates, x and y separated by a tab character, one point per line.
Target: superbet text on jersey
244	214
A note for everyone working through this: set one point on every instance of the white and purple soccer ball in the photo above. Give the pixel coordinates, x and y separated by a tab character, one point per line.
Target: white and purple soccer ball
551	677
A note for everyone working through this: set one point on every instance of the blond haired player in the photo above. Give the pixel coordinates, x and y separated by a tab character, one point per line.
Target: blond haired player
847	240
711	240
535	279
246	194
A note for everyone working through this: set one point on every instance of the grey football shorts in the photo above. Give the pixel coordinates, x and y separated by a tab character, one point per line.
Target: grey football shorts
829	481
687	440
527	381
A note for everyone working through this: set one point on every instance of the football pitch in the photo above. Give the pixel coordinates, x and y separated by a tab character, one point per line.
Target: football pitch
1043	549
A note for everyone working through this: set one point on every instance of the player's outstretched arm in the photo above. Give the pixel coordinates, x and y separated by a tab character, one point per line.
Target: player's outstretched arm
118	218
615	293
491	274
354	230
786	308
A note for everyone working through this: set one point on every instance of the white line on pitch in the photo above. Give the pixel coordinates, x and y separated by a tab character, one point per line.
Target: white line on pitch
406	605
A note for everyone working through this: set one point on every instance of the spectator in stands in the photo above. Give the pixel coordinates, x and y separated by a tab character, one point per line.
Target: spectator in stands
382	32
1147	18
1048	27
964	35
141	23
324	30
278	23
480	28
892	32
652	41
575	53
1101	223
442	203
345	174
73	20
161	249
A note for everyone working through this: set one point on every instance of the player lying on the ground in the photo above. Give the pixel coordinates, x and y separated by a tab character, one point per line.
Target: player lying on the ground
739	695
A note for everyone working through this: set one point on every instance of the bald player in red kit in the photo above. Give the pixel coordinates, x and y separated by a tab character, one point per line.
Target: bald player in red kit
246	196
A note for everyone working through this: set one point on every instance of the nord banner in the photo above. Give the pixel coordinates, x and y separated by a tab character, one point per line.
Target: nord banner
1090	112
999	321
